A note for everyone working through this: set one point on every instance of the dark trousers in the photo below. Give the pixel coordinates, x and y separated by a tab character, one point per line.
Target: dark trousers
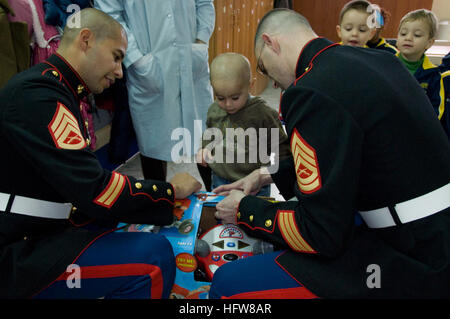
153	168
128	265
205	174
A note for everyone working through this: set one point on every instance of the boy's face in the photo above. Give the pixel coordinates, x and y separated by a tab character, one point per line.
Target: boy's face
231	95
413	39
353	29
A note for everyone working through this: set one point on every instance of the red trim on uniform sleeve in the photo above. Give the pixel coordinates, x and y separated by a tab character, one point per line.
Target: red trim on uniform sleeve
148	195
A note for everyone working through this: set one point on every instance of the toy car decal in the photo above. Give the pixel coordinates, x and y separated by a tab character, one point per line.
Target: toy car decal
186	262
231	232
180	206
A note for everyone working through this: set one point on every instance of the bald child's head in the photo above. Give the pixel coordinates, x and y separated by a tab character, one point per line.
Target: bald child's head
231	81
233	67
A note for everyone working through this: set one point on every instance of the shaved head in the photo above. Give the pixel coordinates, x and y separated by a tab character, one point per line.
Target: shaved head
231	67
281	21
101	24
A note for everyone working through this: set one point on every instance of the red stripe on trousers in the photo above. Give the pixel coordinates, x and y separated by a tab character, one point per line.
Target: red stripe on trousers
107	271
287	293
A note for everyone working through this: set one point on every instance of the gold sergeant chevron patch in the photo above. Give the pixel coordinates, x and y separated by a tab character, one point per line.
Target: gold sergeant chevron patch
111	193
291	234
306	165
65	130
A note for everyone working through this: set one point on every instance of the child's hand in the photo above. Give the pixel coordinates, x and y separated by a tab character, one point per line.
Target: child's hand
203	156
184	185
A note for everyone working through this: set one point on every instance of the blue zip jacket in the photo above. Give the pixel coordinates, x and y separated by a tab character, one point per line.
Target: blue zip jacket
430	79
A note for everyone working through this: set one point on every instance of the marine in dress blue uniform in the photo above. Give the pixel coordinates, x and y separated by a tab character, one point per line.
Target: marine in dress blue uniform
354	150
59	207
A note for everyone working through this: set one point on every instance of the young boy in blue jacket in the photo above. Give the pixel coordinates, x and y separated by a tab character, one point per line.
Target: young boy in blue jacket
416	34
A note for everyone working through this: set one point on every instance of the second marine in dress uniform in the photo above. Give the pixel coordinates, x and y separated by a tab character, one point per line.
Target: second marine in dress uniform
52	185
365	139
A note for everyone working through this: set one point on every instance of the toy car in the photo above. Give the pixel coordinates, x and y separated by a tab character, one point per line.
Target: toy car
201	244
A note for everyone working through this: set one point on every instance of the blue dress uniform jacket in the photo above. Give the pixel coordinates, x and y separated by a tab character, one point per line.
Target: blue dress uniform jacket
46	156
363	136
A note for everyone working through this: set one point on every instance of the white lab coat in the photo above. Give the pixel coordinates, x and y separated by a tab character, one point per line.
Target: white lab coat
167	72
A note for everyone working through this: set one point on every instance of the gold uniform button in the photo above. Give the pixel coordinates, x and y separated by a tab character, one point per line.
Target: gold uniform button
238	215
268	223
169	192
25	238
80	89
155	188
138	185
251	218
74	209
55	73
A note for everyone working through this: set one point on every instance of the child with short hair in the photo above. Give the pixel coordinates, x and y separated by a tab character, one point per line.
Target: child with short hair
378	42
234	108
416	34
353	28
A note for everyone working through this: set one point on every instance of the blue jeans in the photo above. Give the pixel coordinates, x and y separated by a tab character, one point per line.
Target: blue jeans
218	181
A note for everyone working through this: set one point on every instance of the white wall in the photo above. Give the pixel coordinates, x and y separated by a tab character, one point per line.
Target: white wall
442	9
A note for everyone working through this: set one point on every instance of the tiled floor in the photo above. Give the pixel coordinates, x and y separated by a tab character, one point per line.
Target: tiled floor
133	166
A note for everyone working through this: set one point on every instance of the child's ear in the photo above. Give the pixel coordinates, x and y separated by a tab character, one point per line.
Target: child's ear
338	30
430	43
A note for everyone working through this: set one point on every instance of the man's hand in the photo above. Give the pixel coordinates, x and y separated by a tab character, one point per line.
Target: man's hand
184	185
227	208
250	184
